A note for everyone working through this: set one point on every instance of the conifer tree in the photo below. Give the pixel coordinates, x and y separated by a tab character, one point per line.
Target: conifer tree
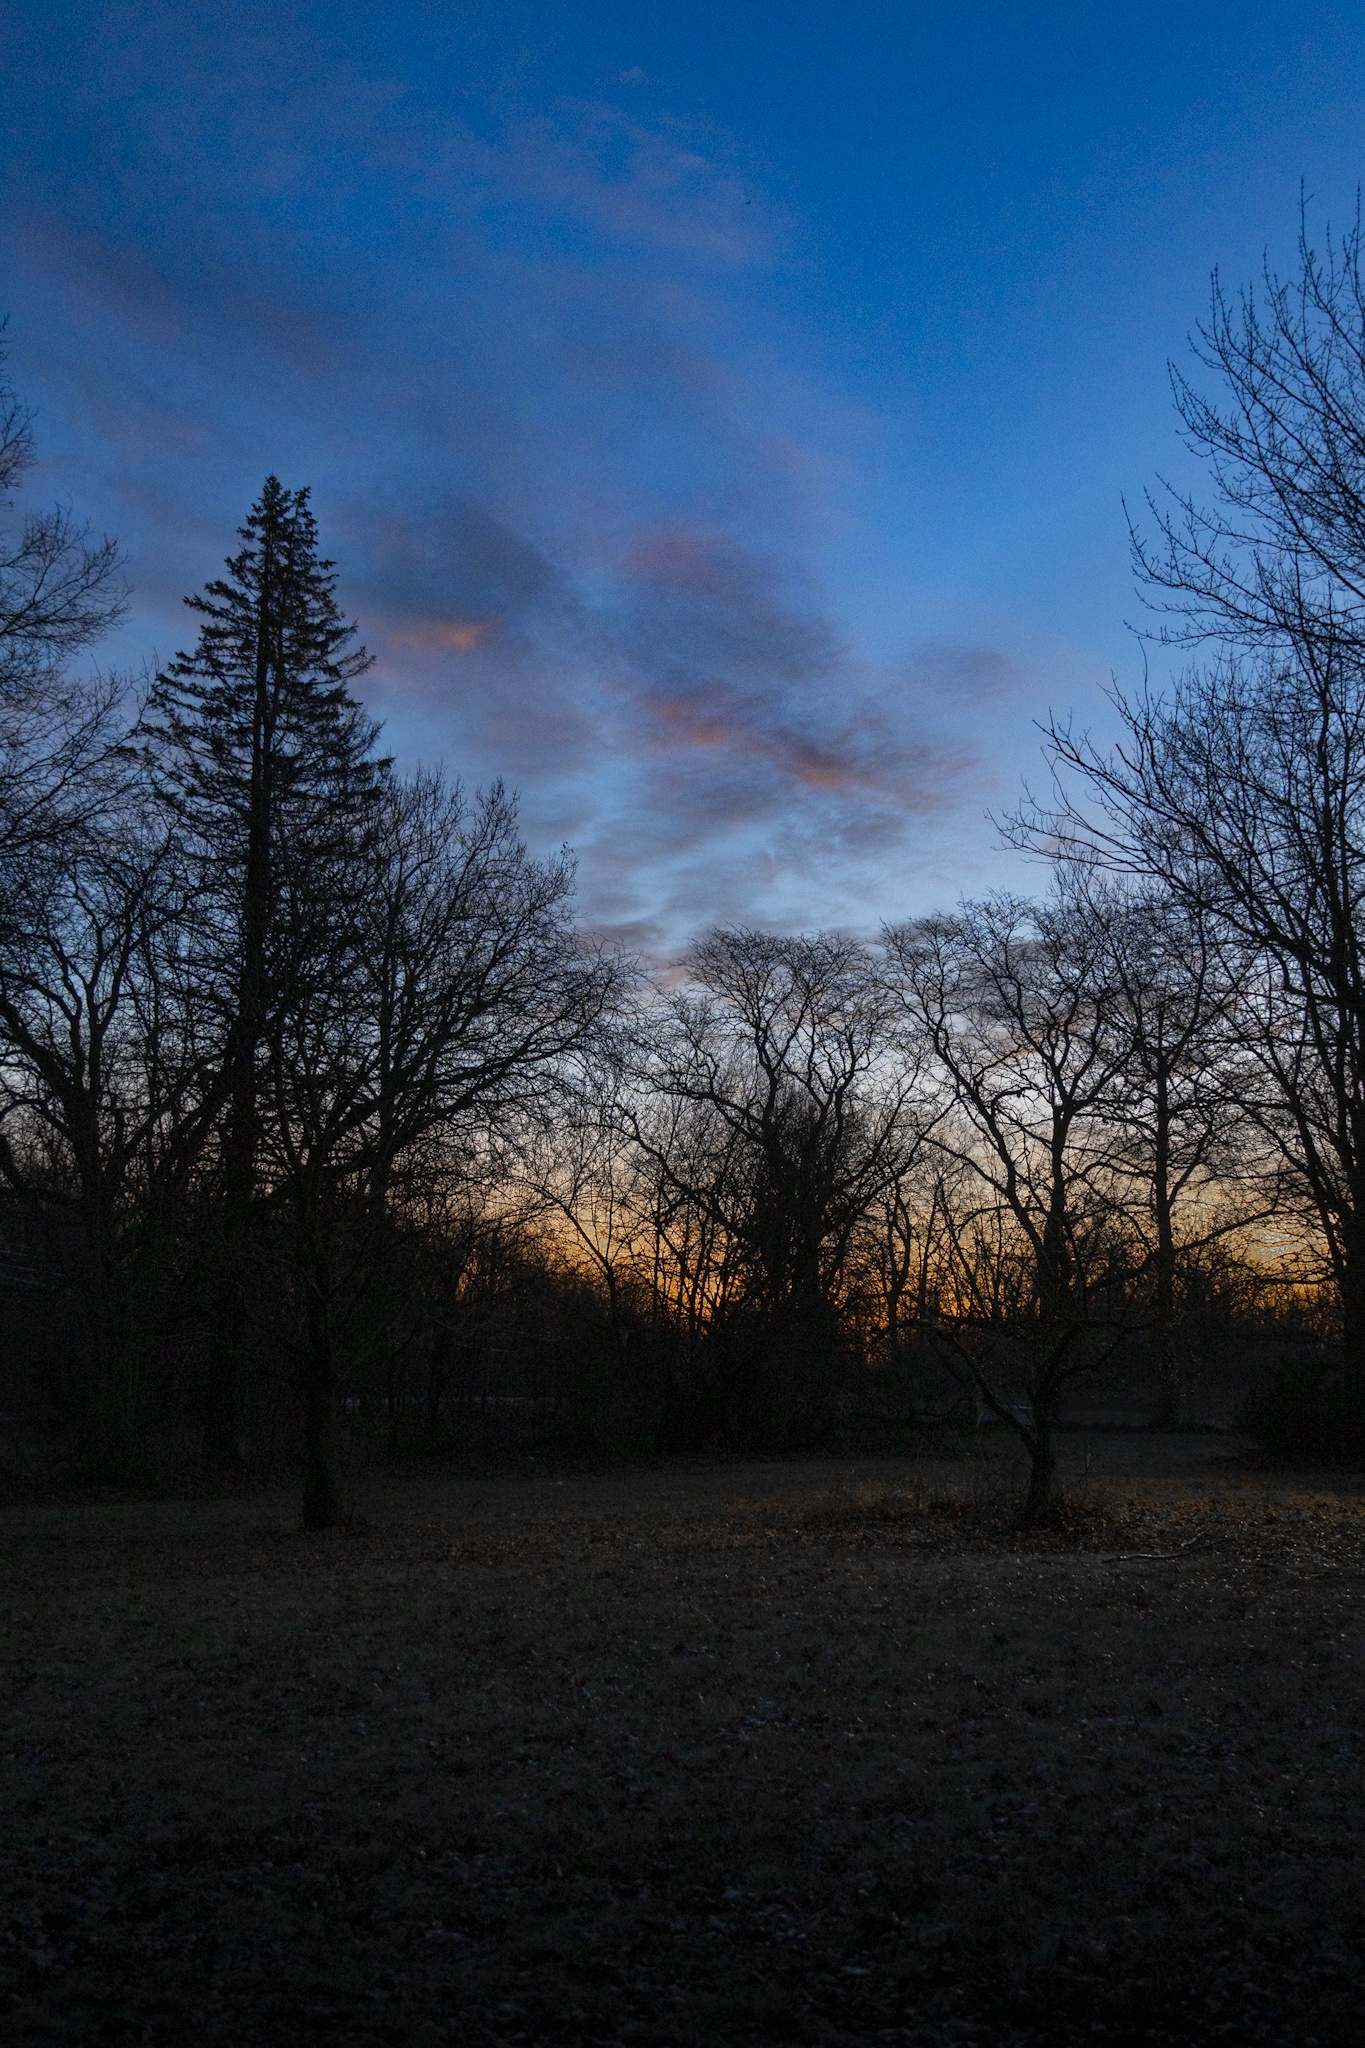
258	745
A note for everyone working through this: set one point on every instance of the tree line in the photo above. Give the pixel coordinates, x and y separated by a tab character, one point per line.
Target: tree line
324	1127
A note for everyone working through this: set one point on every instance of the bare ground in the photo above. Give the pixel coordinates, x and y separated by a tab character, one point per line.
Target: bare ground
730	1754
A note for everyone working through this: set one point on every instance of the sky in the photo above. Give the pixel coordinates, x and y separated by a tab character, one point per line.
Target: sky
722	416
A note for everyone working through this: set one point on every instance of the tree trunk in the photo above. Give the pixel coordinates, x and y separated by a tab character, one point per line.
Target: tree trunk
221	1449
222	1442
1042	1452
438	1371
322	1455
1170	1388
322	1436
1353	1327
973	1413
112	1448
1167	1362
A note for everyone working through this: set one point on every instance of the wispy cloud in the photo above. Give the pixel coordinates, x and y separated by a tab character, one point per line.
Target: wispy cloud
734	659
523	359
637	186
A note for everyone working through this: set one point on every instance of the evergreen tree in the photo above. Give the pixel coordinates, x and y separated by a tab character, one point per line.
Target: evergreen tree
258	746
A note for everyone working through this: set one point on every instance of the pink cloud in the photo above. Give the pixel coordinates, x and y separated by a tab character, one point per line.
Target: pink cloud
439	636
862	758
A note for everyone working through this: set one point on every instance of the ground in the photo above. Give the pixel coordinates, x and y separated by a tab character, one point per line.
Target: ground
813	1752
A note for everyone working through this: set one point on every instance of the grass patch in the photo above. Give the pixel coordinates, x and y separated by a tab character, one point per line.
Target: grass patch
817	1752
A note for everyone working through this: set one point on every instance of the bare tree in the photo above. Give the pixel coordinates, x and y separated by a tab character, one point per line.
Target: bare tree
1243	794
599	1189
694	1181
778	1047
60	593
99	1073
1275	556
1184	1142
431	985
903	1279
1242	790
1016	1007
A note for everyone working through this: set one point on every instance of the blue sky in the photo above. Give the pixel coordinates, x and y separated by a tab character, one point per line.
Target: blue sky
721	415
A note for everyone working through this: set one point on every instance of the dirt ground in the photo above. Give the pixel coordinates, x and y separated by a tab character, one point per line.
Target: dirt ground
812	1752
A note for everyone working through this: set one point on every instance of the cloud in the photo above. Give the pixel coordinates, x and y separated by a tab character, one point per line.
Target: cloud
655	188
526	359
735	660
961	676
443	635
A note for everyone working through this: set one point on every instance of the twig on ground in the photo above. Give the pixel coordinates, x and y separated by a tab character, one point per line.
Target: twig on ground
1154	1556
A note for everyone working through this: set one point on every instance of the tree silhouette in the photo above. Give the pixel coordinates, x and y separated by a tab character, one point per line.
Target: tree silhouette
258	746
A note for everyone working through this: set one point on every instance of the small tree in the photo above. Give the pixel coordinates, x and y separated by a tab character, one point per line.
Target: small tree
1014	1005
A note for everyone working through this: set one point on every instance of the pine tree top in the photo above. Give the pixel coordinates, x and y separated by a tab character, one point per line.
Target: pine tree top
266	689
